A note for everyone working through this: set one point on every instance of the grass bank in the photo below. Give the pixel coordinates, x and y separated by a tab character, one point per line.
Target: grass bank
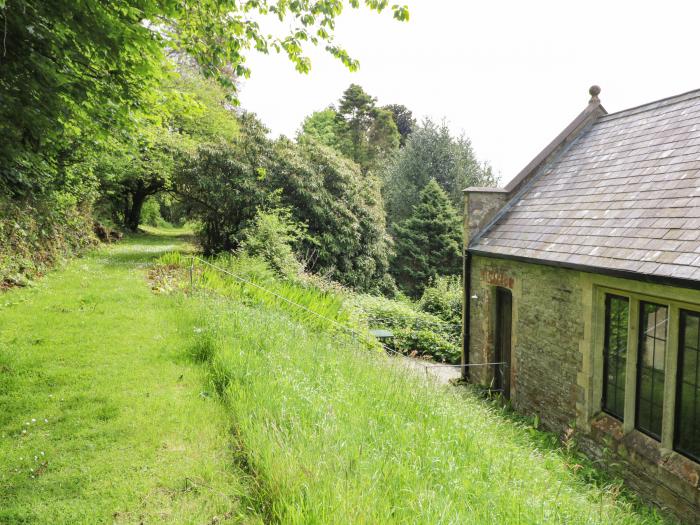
103	419
336	434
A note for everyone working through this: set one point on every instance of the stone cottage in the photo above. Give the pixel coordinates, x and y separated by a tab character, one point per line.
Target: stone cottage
582	291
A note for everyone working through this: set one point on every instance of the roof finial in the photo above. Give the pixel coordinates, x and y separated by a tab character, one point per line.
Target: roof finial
594	91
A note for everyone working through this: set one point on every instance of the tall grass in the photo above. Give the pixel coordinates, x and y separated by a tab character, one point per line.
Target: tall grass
332	433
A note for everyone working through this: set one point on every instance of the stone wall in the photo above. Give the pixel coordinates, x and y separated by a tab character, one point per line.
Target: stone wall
556	372
547	328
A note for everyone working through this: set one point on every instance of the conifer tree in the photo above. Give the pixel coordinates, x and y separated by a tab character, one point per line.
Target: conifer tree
428	242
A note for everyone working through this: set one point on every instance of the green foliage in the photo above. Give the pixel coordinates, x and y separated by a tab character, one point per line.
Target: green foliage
443	297
36	235
368	133
89	100
324	128
342	209
271	236
358	129
431	152
150	214
72	73
428	242
223	185
403	118
416	333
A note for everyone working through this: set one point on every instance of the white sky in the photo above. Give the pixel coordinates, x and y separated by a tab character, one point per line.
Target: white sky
510	74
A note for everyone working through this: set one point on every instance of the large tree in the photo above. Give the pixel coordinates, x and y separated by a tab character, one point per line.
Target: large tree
74	72
358	129
431	152
428	242
342	209
403	117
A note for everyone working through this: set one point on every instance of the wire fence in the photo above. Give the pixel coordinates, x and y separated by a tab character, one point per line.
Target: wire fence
358	336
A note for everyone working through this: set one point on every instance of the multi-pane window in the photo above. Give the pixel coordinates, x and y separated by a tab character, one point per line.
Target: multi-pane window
651	360
615	354
687	439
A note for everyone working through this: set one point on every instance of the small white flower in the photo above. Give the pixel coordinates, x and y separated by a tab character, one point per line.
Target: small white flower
42	452
46	420
24	432
197	330
33	420
36	458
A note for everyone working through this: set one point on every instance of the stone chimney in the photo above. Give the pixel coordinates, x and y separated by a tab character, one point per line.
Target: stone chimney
480	207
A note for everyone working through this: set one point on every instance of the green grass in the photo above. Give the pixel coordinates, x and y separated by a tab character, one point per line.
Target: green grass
336	434
103	418
233	406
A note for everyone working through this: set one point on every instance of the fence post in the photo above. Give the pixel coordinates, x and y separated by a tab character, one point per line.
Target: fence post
192	274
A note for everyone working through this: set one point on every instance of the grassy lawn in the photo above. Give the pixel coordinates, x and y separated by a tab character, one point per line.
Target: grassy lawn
103	419
128	406
335	433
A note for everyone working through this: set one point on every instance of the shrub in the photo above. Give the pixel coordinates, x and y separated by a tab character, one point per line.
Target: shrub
271	236
415	332
443	298
150	213
35	235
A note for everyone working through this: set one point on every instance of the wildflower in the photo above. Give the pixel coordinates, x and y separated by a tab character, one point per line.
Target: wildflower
24	432
46	420
42	452
197	330
33	420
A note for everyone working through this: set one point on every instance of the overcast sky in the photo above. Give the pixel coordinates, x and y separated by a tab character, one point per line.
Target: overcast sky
509	74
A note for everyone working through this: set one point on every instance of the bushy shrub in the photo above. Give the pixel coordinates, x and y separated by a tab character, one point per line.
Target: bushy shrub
415	332
443	298
34	235
271	236
426	342
150	213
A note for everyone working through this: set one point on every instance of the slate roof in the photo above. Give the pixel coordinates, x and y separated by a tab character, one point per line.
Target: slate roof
623	196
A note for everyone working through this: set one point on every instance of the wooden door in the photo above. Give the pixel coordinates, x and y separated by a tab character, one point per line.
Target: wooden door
504	323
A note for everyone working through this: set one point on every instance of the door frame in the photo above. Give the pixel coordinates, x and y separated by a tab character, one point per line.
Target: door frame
503	340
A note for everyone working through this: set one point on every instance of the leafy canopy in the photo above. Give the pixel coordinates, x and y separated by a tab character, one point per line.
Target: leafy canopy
431	153
73	72
358	129
428	242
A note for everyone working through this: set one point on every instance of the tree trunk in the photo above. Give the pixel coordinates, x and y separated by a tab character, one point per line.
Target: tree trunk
132	219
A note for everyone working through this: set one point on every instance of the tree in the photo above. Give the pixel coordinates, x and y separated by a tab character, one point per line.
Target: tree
403	117
185	110
366	133
431	152
428	242
341	208
324	127
224	185
78	71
